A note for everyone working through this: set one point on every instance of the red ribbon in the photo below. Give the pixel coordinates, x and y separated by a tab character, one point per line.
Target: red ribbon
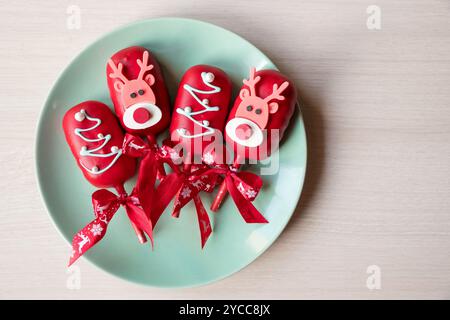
184	187
193	184
105	205
243	187
150	169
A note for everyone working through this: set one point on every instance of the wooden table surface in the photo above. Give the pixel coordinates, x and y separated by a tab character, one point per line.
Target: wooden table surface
377	112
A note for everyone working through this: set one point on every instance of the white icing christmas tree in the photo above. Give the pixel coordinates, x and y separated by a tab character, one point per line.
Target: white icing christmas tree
207	78
101	138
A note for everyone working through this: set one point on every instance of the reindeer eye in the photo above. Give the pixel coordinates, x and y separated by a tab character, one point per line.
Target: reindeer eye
133	95
249	108
141	92
258	111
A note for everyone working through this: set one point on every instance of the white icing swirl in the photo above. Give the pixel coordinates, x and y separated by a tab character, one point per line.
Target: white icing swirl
85	151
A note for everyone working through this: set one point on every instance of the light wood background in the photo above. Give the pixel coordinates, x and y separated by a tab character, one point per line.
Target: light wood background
377	110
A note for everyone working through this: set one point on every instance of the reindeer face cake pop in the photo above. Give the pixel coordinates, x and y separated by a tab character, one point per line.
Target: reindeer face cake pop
200	109
95	139
138	91
265	103
260	114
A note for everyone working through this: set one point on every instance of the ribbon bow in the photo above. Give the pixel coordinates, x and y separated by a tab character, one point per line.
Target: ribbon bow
184	187
243	187
193	183
150	169
105	205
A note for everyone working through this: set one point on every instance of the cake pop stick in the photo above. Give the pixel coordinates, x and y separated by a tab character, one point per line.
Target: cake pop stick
261	112
95	139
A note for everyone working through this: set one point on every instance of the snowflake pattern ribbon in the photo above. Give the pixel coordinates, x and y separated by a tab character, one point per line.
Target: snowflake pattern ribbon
184	187
151	167
105	205
243	187
190	189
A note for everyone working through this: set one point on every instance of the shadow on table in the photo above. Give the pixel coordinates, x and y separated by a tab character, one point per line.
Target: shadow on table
315	135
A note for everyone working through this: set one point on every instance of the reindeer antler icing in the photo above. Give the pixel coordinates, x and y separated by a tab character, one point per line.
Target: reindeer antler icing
252	81
276	94
143	64
117	70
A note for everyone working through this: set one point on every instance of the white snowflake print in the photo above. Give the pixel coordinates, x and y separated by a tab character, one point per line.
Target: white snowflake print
186	192
208	158
103	218
251	193
198	184
164	152
174	156
241	187
96	229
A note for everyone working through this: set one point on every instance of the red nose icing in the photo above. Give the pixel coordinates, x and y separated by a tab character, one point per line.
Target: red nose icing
243	131
141	115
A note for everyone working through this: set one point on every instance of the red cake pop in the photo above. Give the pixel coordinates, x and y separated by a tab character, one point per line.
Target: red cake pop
260	113
95	139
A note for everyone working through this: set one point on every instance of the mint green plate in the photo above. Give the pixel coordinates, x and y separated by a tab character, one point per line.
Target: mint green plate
177	260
